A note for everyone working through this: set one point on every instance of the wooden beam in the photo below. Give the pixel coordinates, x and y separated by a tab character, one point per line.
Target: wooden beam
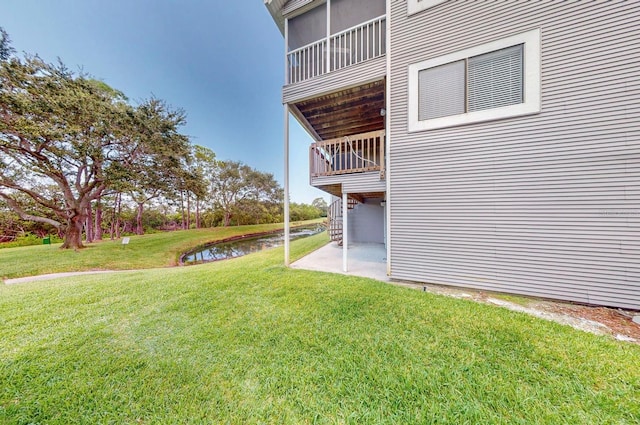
304	122
355	109
326	105
347	131
357	197
341	97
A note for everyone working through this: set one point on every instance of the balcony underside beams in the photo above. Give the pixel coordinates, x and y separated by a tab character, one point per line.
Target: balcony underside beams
345	112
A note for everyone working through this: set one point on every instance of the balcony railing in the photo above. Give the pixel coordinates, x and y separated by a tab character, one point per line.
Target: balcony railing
307	62
349	47
350	154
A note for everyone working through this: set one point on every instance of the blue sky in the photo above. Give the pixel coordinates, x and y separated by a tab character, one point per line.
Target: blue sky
221	61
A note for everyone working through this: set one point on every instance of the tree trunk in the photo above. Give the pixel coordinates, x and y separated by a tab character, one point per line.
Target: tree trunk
112	227
118	211
197	213
227	218
139	228
73	233
98	221
89	224
182	208
188	211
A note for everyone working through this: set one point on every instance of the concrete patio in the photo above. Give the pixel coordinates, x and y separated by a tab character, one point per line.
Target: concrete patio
364	259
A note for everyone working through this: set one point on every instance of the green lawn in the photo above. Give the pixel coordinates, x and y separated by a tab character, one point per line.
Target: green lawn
248	341
147	251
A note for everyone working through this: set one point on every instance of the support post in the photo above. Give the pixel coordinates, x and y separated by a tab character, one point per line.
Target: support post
345	230
329	36
387	144
287	77
286	185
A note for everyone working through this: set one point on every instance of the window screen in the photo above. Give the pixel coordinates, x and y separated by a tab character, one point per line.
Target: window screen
441	91
495	79
308	27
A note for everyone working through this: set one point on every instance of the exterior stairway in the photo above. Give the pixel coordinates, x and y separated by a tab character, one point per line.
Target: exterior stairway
335	218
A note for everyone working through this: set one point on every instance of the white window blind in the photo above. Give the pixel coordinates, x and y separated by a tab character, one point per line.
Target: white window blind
495	79
441	91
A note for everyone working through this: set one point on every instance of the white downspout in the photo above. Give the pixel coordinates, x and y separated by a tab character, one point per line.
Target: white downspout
286	185
345	230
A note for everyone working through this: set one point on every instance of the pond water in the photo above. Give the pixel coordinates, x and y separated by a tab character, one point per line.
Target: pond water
237	248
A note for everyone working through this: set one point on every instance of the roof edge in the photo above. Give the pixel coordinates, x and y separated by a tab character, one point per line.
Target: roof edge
275	8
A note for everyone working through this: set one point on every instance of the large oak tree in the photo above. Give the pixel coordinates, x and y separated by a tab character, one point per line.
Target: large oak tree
79	136
56	128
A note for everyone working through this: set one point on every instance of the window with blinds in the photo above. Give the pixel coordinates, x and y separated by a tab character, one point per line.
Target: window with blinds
442	90
491	80
481	83
495	79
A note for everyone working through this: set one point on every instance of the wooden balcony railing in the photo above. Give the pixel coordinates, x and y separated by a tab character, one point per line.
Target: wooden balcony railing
349	47
350	154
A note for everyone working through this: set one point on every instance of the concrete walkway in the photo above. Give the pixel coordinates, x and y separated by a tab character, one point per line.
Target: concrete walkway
364	259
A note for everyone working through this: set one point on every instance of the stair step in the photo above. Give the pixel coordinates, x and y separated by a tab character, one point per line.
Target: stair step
335	218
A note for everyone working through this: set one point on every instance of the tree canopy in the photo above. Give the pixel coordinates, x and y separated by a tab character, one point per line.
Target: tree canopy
235	184
5	45
76	136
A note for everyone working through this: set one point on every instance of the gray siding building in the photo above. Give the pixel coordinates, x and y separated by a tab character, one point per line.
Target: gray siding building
506	147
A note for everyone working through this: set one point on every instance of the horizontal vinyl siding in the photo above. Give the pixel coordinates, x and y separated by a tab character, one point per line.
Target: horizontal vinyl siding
351	76
366	222
544	205
364	182
354	183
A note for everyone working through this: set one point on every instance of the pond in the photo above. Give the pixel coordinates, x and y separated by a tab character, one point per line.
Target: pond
243	246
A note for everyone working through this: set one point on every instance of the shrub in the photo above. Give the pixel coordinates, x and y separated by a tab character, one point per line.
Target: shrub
28	239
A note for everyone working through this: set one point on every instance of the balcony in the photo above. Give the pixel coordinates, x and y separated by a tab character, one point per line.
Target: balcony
358	153
349	47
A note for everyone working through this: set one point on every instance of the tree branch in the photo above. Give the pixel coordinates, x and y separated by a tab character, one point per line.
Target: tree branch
25	216
33	195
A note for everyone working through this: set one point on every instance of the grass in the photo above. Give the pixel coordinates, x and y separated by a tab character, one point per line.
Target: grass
249	341
146	251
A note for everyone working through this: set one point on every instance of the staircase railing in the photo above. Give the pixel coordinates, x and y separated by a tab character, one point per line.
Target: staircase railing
336	218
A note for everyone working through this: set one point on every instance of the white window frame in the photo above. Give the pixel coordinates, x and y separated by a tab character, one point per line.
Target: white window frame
415	6
531	79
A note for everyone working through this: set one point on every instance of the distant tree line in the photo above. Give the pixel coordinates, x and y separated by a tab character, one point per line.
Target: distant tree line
79	160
